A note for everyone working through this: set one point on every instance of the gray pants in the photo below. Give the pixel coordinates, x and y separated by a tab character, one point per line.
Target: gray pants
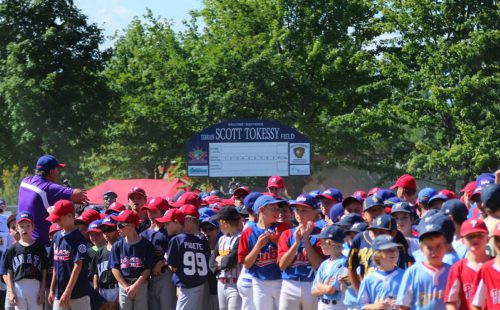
140	302
82	303
229	298
191	298
162	292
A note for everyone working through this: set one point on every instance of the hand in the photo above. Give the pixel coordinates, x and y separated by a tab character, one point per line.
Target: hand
64	300
218	261
298	234
12	298
80	196
497	176
132	290
262	240
51	297
41	297
308	229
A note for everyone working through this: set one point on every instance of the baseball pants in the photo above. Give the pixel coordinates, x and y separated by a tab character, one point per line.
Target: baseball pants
7	305
266	294
140	301
162	292
297	295
323	306
245	290
229	298
82	303
191	298
109	294
27	294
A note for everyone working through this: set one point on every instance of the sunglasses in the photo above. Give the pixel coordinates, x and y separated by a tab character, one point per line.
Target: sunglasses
121	225
107	229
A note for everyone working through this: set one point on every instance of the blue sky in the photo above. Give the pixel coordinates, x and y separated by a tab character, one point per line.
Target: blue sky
115	15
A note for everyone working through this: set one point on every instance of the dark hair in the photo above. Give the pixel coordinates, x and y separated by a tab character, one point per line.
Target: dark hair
432	235
410	191
42	173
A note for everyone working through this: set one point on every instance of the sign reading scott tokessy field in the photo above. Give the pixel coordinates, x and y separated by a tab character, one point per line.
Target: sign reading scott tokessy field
242	148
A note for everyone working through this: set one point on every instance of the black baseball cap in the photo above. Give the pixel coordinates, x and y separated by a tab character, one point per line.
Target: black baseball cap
228	213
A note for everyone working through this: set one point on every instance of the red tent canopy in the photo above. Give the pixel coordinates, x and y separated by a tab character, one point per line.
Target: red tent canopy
153	188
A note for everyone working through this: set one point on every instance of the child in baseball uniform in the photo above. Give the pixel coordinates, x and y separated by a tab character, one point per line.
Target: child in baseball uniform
299	255
26	263
104	280
69	287
131	260
258	252
224	260
486	293
423	284
458	293
378	290
187	258
326	285
161	292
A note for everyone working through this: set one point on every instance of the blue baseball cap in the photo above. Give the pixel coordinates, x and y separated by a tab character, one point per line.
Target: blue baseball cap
483	180
250	200
315	193
490	196
357	227
94	226
385	222
425	194
336	212
358	196
109	221
372	201
209	221
402	207
437	197
263	201
389	202
331	232
385	194
206	212
24	216
349	220
47	163
331	194
305	200
384	242
455	208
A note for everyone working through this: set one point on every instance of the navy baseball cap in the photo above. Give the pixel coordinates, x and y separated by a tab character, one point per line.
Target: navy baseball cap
384	242
108	221
402	207
438	197
483	180
336	212
263	201
250	200
490	196
385	194
372	201
385	222
425	194
429	228
242	210
358	196
24	216
349	220
305	200
95	226
441	220
47	163
389	202
331	232
455	208
357	227
331	194
315	193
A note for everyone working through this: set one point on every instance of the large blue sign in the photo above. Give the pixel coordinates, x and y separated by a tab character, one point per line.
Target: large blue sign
240	148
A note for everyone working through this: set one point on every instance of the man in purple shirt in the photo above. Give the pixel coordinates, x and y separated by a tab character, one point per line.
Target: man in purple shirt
39	192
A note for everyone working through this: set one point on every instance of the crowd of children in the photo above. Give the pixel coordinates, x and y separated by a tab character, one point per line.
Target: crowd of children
395	248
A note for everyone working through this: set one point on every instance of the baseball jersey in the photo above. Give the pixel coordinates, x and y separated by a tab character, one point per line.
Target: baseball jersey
300	269
227	248
36	194
379	285
131	258
329	270
189	254
68	248
143	226
265	266
422	287
460	283
26	262
486	286
100	266
159	239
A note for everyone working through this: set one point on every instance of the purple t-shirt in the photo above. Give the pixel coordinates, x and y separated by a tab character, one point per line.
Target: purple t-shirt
36	194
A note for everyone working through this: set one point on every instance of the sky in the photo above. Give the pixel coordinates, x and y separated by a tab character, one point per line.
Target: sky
115	15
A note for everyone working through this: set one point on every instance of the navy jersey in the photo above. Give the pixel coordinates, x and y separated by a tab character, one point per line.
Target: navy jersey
143	225
189	254
131	258
68	248
159	239
26	262
300	269
100	267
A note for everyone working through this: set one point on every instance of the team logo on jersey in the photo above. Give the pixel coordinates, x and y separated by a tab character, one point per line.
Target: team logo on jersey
61	255
82	248
132	262
495	296
267	258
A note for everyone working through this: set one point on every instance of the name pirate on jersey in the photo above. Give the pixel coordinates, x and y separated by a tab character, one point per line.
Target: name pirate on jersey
193	246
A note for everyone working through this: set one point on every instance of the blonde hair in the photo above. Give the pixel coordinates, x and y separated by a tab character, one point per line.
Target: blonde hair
376	257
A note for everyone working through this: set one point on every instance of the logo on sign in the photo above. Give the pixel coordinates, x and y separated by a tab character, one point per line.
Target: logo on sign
197	170
299	151
198	154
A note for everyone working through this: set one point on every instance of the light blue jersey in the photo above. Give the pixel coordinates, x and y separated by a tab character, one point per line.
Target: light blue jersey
449	258
379	285
422	287
329	270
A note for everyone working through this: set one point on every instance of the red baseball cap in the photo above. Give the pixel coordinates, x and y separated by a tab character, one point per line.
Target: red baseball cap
61	207
88	216
275	181
156	204
473	226
496	231
190	198
241	191
469	188
372	191
172	215
127	216
448	193
190	210
54	228
212	199
137	190
115	207
405	181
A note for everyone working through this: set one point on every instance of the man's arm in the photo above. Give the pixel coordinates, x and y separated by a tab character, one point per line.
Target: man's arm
79	196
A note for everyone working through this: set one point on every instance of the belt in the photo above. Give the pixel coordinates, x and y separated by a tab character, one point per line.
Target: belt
328	301
131	281
228	280
108	286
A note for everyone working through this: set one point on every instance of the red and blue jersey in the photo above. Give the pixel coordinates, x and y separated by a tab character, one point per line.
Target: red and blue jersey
189	254
266	264
68	248
159	239
131	258
300	269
